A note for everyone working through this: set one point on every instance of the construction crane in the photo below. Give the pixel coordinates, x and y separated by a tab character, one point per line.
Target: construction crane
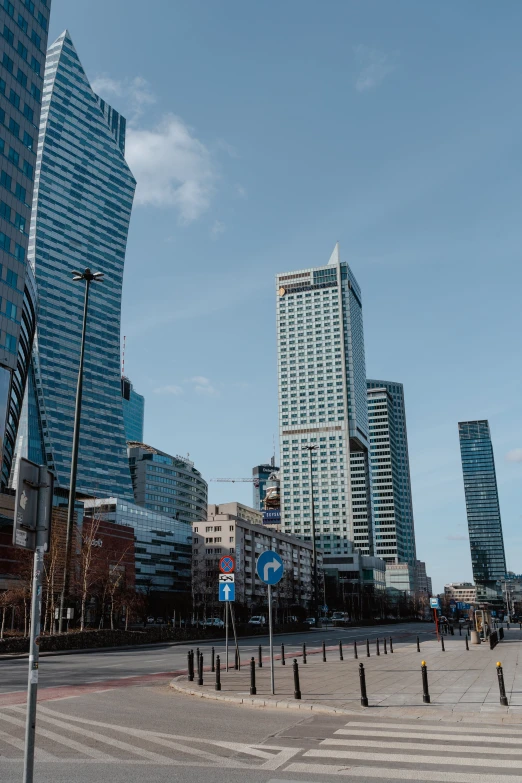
254	480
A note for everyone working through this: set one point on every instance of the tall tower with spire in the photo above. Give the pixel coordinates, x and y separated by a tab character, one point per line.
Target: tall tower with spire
82	205
323	403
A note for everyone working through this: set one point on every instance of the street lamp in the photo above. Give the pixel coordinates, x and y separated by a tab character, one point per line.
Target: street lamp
89	278
310	449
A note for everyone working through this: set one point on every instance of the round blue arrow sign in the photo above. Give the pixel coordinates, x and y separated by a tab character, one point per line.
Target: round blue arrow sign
270	567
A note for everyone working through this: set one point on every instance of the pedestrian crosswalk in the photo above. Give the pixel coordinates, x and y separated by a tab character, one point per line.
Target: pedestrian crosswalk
416	751
66	738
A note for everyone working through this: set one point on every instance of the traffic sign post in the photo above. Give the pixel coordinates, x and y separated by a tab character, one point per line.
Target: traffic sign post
435	604
270	570
227	591
227	566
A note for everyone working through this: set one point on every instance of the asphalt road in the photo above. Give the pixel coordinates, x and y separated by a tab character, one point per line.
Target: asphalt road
92	668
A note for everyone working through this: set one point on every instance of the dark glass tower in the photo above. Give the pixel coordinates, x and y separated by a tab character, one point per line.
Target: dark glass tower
485	527
82	206
23	27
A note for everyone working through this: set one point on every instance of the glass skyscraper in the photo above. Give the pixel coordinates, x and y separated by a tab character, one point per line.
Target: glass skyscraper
133	411
322	403
261	474
23	26
394	528
82	205
488	558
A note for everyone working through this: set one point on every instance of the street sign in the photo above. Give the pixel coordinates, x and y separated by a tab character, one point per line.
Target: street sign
434	603
270	567
226	578
25	533
227	591
453	602
227	564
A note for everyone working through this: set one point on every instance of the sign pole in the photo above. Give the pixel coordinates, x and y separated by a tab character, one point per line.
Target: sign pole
271	638
226	633
436	623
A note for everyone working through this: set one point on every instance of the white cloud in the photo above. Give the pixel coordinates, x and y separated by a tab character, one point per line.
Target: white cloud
202	385
515	455
241	191
104	85
372	67
168	390
135	93
217	229
172	168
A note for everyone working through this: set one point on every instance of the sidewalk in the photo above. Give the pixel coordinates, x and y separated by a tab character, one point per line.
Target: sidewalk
461	683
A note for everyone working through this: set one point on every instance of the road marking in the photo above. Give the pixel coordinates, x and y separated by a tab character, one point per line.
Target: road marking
69	743
438	728
426	735
429	746
40	755
402	758
400	774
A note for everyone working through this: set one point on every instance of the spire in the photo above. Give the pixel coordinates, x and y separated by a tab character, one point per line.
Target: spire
335	257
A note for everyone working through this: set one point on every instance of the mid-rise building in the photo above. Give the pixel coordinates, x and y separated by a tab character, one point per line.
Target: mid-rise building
390	473
162	545
260	475
232	528
400	579
166	484
422	580
461	591
133	411
82	205
24	27
322	405
486	541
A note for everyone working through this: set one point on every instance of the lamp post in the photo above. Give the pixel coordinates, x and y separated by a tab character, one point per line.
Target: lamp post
89	277
310	449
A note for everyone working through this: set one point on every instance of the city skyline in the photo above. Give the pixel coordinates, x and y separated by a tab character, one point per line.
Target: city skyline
418	326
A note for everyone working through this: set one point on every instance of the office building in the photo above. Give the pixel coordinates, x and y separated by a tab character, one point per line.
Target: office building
232	528
400	579
166	484
354	574
322	403
133	411
390	473
24	27
260	475
162	545
422	580
82	205
461	591
488	559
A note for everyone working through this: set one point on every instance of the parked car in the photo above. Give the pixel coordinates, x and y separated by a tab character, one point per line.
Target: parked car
340	617
258	619
150	619
310	621
214	622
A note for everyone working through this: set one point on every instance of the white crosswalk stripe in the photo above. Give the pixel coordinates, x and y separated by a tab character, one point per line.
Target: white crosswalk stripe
408	751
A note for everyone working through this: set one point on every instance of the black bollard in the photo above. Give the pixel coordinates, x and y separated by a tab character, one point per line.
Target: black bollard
197	656
467	645
367	648
212	662
218	674
283	662
362	681
460	629
442	643
297	688
200	669
501	686
377	647
385	647
190	660
355	649
304	652
324	652
260	658
391	644
253	676
507	626
425	691
236	660
418	644
341	651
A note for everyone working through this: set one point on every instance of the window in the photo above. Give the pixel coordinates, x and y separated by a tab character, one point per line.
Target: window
19	221
7	63
14	157
20	192
28	169
10	343
5	211
11	310
29	113
30	5
5	180
35	38
35	65
9	7
14	127
21	77
22	50
5	242
11	278
42	20
35	92
28	141
8	35
22	23
20	253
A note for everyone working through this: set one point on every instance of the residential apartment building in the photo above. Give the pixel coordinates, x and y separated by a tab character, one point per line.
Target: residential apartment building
486	541
461	591
24	27
231	528
167	484
82	205
322	405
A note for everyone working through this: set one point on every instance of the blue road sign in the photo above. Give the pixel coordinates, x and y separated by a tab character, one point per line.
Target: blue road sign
270	567
227	591
434	603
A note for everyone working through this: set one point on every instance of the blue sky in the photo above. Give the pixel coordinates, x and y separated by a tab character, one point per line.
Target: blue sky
262	133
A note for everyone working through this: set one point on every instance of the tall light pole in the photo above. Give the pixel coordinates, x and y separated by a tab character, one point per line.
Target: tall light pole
310	449
89	277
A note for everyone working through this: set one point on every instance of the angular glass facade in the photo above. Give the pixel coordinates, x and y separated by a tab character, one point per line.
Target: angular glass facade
488	558
133	411
322	402
23	26
82	205
261	474
390	469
